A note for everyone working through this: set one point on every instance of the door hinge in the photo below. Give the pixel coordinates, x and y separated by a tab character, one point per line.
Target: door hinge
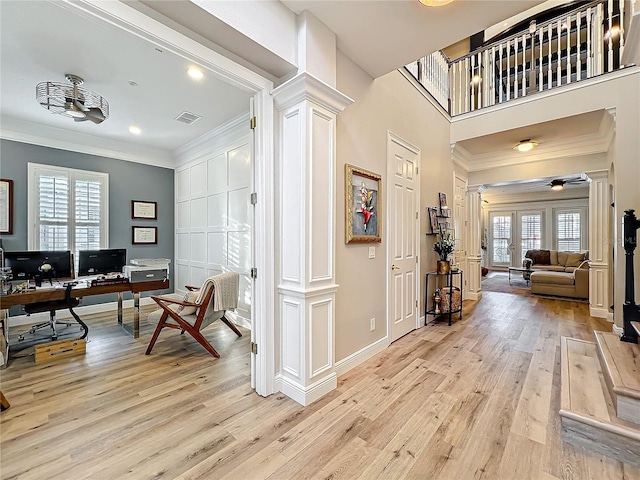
254	272
416	303
416	215
417	170
252	123
254	347
416	259
254	198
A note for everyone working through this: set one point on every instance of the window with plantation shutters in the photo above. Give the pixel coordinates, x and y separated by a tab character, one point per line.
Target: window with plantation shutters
68	209
530	232
568	231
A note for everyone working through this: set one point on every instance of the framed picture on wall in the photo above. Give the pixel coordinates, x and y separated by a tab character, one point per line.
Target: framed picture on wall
144	210
144	235
363	205
433	219
6	206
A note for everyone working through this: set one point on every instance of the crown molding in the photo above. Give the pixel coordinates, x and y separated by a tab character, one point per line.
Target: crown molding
307	87
220	136
581	195
24	132
461	157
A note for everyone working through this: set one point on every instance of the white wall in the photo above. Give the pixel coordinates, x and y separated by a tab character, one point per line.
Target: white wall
213	216
389	103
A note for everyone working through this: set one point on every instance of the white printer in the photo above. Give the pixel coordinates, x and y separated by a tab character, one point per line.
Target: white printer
147	269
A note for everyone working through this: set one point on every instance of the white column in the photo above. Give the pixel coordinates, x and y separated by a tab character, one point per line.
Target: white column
474	255
307	110
598	244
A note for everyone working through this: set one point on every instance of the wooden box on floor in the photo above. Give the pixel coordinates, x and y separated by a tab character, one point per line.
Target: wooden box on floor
47	352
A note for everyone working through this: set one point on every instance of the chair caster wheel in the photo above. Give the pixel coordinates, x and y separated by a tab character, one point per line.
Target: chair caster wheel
20	338
54	337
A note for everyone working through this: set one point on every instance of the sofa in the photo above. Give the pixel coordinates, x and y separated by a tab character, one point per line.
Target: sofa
562	274
553	260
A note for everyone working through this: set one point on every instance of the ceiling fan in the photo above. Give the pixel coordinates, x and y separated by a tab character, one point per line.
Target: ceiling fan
72	100
559	183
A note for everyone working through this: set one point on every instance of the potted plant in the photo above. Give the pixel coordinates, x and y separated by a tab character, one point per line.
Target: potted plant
444	247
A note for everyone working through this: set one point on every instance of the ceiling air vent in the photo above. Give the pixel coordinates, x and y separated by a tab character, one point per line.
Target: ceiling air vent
188	118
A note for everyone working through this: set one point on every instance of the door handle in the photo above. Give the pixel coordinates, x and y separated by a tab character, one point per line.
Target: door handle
393	267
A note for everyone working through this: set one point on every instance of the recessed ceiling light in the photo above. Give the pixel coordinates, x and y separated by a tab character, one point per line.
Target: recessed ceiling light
525	145
134	130
195	73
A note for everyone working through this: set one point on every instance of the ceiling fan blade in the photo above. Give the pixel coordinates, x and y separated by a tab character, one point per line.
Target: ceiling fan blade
80	105
80	119
95	115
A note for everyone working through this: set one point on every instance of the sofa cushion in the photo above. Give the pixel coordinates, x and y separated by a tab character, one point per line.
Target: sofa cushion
555	278
562	258
553	257
540	257
548	268
574	259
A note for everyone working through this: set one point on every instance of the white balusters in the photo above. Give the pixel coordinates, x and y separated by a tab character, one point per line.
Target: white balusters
517	66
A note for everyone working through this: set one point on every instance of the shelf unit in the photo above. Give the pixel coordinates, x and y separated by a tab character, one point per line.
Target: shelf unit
448	282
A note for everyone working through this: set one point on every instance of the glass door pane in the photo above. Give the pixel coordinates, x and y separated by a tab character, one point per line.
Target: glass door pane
530	232
500	235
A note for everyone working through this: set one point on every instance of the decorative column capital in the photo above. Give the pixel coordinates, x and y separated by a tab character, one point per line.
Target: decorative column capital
307	87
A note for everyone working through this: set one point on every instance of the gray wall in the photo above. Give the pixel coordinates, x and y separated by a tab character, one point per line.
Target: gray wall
127	181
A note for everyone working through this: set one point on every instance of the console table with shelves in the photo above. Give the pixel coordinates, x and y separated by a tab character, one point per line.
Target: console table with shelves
450	280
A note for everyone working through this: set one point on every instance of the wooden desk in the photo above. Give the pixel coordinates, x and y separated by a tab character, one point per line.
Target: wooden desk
78	291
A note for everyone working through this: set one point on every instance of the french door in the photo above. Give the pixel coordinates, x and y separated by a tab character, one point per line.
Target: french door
511	234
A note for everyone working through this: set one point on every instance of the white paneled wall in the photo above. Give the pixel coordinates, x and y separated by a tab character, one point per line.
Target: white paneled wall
214	215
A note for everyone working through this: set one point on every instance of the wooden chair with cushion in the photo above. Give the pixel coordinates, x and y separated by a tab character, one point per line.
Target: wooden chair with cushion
200	307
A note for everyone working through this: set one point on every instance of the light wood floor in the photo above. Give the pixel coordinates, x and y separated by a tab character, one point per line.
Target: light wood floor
475	400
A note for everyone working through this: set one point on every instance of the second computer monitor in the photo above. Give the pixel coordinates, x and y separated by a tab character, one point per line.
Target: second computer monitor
101	262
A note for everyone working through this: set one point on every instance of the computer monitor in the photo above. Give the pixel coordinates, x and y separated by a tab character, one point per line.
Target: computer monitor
101	262
26	265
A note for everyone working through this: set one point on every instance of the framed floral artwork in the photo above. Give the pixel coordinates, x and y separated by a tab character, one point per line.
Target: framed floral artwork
363	217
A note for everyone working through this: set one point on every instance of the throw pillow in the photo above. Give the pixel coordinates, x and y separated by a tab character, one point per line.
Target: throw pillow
541	257
574	259
190	297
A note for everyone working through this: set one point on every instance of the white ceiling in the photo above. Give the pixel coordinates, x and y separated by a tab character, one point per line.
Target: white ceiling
381	36
41	41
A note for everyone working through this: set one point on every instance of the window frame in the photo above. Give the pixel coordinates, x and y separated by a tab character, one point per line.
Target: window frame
582	211
34	171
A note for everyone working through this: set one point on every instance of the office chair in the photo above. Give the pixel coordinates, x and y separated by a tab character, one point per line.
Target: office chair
199	308
51	307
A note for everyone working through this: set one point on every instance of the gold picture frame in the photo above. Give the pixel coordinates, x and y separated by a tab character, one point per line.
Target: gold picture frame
363	213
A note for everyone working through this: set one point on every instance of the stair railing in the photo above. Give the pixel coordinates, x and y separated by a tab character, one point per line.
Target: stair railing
580	44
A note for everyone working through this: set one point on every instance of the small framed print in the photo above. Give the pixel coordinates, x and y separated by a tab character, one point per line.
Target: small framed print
144	235
6	206
144	210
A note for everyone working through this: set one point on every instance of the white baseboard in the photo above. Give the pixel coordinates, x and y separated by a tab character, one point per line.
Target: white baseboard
238	320
307	395
617	330
473	296
355	359
19	320
599	312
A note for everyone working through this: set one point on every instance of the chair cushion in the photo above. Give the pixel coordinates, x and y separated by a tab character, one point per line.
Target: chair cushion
548	268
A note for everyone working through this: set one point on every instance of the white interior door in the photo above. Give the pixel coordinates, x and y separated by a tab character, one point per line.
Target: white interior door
460	220
403	187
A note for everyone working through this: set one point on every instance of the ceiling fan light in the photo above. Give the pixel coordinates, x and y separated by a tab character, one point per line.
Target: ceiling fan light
557	185
434	3
72	110
525	145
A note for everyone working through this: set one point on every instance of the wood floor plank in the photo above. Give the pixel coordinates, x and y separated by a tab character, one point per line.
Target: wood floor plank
479	399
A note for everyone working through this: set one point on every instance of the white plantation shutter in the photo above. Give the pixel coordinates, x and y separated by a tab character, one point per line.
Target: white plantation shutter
568	228
68	209
531	232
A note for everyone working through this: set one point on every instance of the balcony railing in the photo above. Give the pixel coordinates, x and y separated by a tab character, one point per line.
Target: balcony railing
583	43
